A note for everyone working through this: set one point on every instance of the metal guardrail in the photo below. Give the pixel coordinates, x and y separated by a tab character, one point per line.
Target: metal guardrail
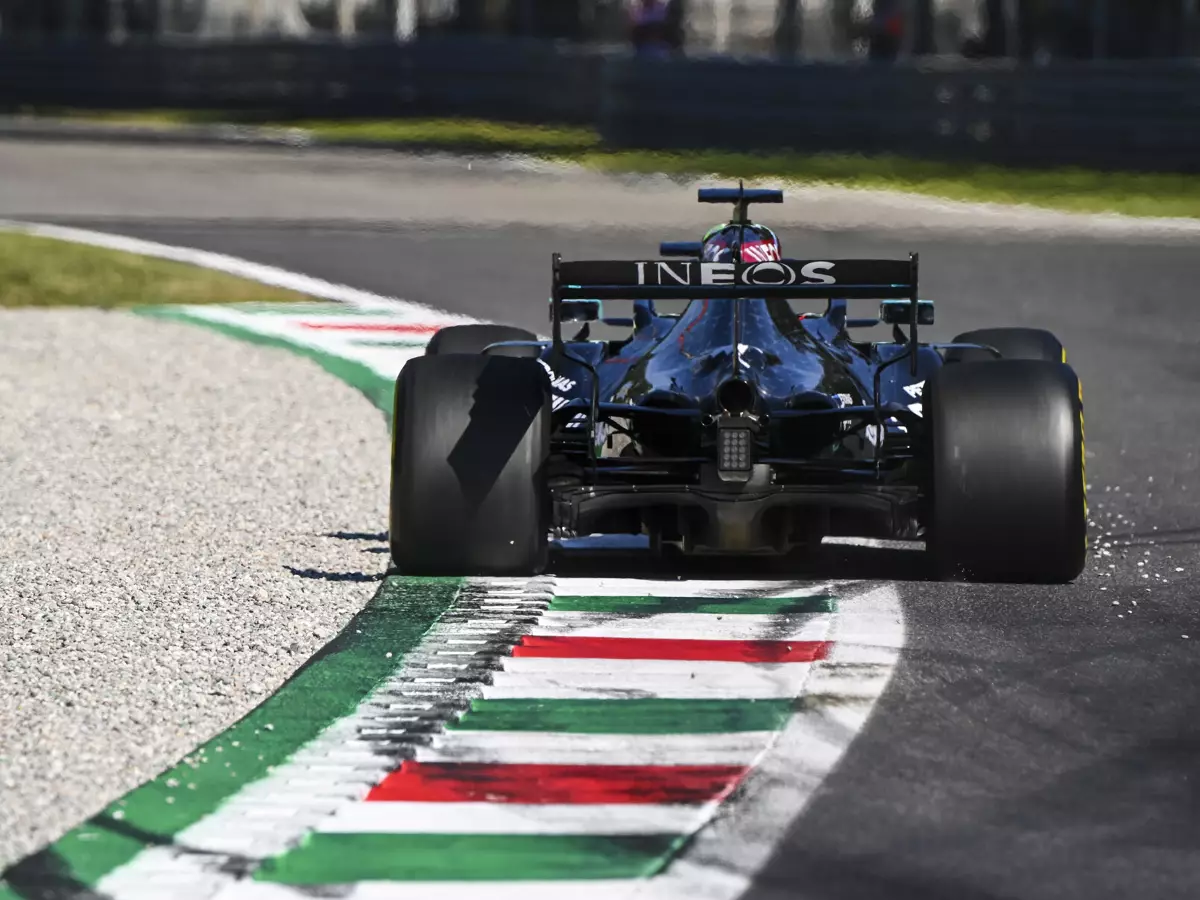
1142	115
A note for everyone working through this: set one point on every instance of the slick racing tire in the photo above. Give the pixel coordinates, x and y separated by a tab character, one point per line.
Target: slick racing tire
474	338
471	435
1012	343
1007	472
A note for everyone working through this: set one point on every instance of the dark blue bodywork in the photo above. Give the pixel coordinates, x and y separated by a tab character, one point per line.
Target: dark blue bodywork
828	458
743	424
794	362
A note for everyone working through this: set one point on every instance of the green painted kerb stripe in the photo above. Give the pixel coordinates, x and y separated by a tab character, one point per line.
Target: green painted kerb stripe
651	606
329	686
344	858
377	389
638	716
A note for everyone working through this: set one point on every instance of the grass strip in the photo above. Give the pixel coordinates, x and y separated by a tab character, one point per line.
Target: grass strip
43	272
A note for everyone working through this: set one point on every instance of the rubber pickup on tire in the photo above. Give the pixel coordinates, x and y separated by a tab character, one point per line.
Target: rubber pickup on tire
471	435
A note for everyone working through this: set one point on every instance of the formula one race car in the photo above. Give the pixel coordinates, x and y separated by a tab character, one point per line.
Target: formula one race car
740	425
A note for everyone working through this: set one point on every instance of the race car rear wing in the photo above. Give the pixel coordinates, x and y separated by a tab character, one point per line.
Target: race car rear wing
661	279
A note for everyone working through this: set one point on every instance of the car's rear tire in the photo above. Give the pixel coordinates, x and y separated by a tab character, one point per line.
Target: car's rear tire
473	338
471	435
1007	472
1012	343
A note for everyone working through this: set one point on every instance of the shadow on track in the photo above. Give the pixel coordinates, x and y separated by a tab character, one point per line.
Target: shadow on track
336	576
376	536
838	562
830	562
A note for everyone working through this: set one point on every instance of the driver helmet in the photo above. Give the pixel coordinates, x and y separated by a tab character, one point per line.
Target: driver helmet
758	244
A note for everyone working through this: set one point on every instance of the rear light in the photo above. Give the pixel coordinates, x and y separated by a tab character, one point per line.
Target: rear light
734	449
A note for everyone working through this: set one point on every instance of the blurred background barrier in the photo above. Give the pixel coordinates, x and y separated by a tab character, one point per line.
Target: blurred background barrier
1098	83
1103	115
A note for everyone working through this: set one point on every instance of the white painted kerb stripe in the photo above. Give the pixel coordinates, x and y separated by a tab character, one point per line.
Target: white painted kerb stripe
630	680
516	818
565	748
686	626
715	588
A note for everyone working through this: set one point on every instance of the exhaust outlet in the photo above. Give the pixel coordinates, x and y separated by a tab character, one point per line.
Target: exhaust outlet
736	396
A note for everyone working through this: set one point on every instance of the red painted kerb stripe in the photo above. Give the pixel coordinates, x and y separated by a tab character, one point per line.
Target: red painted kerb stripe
659	648
401	328
481	782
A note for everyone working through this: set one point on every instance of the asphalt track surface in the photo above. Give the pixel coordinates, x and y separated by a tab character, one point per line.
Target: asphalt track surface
1034	742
